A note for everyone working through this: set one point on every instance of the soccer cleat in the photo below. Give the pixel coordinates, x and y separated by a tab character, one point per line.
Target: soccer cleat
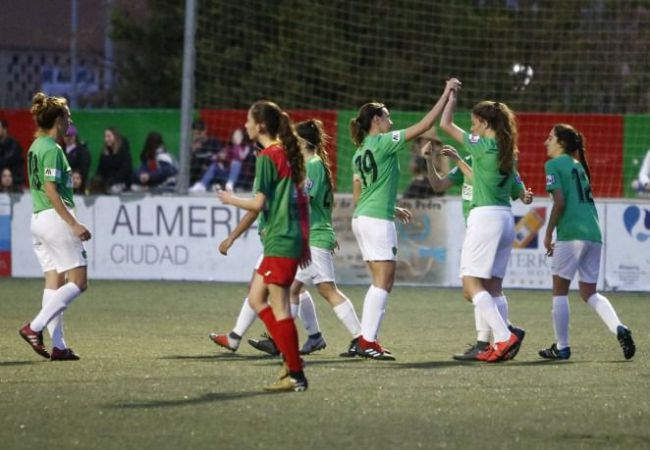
225	341
472	352
265	345
373	350
290	383
554	353
486	355
520	333
67	354
313	345
503	350
352	350
624	336
35	340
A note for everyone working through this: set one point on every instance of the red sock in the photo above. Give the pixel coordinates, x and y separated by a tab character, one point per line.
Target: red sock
287	340
269	320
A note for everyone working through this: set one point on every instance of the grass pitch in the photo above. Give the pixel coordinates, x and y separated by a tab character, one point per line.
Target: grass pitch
150	378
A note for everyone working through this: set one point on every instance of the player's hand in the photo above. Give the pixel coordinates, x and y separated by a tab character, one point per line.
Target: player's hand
403	215
527	197
305	258
549	245
450	152
81	231
427	150
225	246
336	248
144	178
453	85
225	197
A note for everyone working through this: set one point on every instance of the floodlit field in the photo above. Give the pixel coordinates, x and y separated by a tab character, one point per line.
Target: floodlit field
150	378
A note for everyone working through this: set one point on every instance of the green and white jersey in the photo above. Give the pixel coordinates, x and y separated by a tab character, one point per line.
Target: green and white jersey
458	178
321	232
375	162
579	220
491	187
47	162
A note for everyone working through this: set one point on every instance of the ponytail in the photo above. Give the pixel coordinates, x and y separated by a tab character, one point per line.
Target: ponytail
572	142
501	119
360	125
313	133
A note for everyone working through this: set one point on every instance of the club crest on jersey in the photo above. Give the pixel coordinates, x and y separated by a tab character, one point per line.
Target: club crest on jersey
395	136
550	179
309	184
518	179
474	138
51	172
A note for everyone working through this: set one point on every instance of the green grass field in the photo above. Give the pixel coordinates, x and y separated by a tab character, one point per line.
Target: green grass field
150	378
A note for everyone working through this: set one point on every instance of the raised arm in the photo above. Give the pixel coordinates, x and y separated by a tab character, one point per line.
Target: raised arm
447	119
438	183
428	120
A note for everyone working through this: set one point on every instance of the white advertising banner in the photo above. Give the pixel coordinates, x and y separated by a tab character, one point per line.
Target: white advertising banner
627	253
172	238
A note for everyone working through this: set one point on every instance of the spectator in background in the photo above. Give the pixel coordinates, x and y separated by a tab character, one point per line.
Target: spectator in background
157	171
642	183
115	164
204	149
78	155
78	187
420	186
11	155
7	184
226	165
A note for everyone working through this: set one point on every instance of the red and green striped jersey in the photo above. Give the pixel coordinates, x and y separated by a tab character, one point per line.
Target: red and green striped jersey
284	222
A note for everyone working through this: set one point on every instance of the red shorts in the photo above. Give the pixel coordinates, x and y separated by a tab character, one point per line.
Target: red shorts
278	270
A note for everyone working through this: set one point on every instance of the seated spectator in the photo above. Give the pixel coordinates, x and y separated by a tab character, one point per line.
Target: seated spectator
11	156
247	174
78	187
157	171
78	155
642	184
115	167
226	165
204	148
420	186
7	184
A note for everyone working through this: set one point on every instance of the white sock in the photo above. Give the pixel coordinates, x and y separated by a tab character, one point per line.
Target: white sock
60	300
294	309
488	310
245	319
307	314
482	327
605	310
374	307
561	314
55	327
348	316
502	306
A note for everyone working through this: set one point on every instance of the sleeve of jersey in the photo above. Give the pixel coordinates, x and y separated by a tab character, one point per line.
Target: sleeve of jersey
393	142
52	165
517	186
552	176
474	145
264	175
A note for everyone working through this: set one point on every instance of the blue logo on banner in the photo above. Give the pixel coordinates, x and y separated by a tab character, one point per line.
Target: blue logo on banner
631	216
5	233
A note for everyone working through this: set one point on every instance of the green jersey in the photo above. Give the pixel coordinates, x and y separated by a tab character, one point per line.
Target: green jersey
47	162
375	162
491	187
579	220
281	222
321	232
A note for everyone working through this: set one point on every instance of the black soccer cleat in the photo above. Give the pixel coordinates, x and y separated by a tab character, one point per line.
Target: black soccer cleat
266	345
624	336
554	353
472	352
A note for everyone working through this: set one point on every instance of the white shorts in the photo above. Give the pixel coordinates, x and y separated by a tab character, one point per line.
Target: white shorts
580	256
488	242
321	269
55	245
377	238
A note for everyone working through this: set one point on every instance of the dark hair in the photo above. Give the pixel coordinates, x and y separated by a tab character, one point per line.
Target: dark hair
313	133
47	109
198	124
278	125
572	142
501	119
4	124
119	141
153	141
360	125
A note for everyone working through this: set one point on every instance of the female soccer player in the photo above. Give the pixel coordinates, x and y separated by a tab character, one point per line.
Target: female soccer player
462	175
578	242
56	234
490	224
284	230
376	174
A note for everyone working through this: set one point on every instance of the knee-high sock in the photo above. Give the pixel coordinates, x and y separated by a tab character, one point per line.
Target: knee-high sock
55	327
374	307
605	310
502	305
245	318
561	315
58	303
285	336
348	316
482	327
488	310
307	314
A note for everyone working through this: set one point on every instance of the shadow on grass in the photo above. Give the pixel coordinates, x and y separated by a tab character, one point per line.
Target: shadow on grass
217	357
17	363
469	364
205	398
